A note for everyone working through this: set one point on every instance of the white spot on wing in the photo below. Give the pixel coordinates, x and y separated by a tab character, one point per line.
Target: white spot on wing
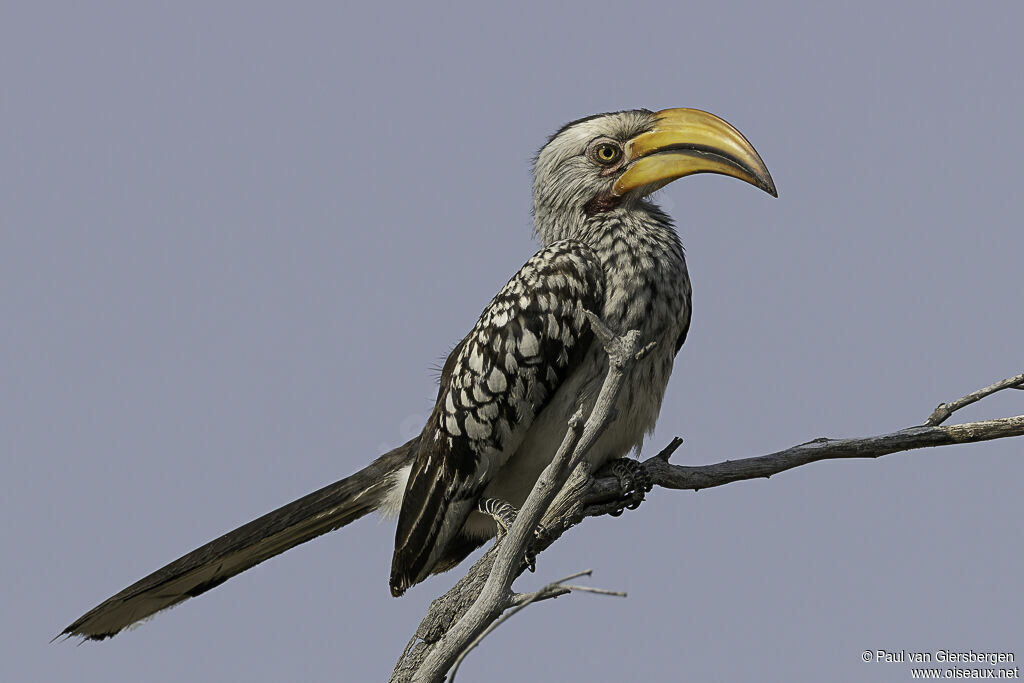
476	430
451	425
496	381
528	345
476	361
552	327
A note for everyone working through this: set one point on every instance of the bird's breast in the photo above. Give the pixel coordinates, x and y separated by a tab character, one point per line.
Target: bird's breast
647	288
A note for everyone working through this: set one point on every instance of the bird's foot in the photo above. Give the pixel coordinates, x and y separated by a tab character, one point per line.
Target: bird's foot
504	515
501	511
635	482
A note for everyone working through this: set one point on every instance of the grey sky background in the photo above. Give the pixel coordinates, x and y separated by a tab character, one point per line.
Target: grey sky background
236	237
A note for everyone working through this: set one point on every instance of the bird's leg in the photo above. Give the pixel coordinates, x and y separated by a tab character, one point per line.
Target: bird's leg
635	482
504	515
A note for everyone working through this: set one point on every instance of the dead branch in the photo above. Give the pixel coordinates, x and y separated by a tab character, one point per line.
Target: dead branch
944	410
454	624
520	601
496	595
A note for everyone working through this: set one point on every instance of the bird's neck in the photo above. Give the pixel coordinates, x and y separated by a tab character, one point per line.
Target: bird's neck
647	287
634	227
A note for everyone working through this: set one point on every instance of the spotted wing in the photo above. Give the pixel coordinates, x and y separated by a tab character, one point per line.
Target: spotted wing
530	337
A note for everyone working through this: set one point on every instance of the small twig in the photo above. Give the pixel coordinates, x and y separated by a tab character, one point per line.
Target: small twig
944	410
666	452
604	333
538	596
585	572
591	589
522	600
646	350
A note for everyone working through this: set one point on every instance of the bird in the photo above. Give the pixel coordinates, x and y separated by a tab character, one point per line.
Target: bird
508	389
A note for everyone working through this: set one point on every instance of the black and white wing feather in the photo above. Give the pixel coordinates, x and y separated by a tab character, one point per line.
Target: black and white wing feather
530	337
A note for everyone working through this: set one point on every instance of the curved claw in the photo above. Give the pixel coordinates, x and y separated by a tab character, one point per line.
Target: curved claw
635	481
504	515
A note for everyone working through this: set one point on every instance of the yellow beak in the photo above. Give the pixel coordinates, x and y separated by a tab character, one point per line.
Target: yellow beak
688	141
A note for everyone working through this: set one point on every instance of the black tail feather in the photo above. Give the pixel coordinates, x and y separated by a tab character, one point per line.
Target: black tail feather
210	565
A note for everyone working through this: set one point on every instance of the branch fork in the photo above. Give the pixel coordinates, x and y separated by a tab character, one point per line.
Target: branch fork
430	660
566	493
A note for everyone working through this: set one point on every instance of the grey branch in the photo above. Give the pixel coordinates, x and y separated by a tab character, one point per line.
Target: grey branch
496	594
944	410
520	601
457	621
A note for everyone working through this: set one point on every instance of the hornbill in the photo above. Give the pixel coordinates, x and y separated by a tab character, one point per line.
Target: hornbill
509	387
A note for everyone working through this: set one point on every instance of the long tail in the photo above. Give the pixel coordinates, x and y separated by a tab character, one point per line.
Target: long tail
208	566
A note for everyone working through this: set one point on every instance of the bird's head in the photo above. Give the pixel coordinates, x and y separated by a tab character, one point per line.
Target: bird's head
611	162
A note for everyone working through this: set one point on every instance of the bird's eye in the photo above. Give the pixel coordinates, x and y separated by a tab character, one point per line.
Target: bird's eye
606	153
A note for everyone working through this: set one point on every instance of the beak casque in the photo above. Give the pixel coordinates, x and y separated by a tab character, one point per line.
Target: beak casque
688	141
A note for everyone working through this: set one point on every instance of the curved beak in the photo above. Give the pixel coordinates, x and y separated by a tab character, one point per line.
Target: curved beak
688	141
